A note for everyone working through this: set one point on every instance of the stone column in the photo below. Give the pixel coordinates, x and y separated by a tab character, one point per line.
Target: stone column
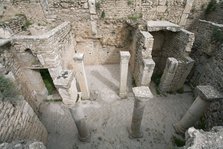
80	121
148	67
81	75
206	94
142	95
168	75
124	64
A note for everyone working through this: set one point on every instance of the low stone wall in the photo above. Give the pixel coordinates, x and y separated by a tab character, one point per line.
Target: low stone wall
19	121
23	144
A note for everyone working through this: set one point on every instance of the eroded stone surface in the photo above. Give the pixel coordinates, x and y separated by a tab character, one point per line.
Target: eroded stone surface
209	93
162	25
199	139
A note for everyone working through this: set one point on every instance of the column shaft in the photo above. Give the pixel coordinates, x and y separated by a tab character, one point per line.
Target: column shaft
142	95
124	63
79	119
81	75
192	115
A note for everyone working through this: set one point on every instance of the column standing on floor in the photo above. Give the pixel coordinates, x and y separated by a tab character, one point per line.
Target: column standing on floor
80	121
142	95
124	63
81	75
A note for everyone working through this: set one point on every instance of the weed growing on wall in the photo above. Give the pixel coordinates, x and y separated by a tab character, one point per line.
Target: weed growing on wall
135	17
217	35
7	88
211	7
103	14
130	2
27	22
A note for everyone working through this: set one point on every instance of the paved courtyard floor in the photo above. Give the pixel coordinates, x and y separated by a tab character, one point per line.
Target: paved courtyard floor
108	116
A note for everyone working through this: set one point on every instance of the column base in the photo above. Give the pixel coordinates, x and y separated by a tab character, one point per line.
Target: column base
123	95
178	128
86	139
134	136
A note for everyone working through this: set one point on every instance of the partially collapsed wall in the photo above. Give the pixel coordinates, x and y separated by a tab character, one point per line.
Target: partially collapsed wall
152	50
99	26
208	70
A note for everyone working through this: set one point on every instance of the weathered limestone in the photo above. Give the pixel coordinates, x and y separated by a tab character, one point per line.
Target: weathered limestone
19	121
81	75
199	139
124	64
79	119
206	94
142	95
148	67
66	85
162	25
92	7
186	12
143	64
168	75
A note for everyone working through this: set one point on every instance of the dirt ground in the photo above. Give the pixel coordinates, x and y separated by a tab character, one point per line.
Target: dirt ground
108	116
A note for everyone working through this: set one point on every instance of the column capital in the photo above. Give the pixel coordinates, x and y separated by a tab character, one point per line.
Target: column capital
142	93
125	55
148	63
78	57
208	93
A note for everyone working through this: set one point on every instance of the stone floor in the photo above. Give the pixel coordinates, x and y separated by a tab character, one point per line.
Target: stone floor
108	116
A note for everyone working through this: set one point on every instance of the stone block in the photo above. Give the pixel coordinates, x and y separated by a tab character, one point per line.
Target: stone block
208	93
161	8
162	25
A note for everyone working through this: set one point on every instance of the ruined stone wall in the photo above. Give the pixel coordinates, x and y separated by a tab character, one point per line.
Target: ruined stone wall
178	45
19	121
29	81
208	70
97	35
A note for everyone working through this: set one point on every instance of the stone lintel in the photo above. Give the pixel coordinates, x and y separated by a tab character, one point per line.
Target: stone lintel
208	93
124	55
162	25
142	93
78	57
64	79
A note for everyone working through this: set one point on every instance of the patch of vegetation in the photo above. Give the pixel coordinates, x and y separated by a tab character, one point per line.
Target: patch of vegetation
26	25
156	79
133	82
103	14
178	142
201	123
135	17
27	22
211	7
7	88
130	2
98	6
217	35
47	81
181	90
